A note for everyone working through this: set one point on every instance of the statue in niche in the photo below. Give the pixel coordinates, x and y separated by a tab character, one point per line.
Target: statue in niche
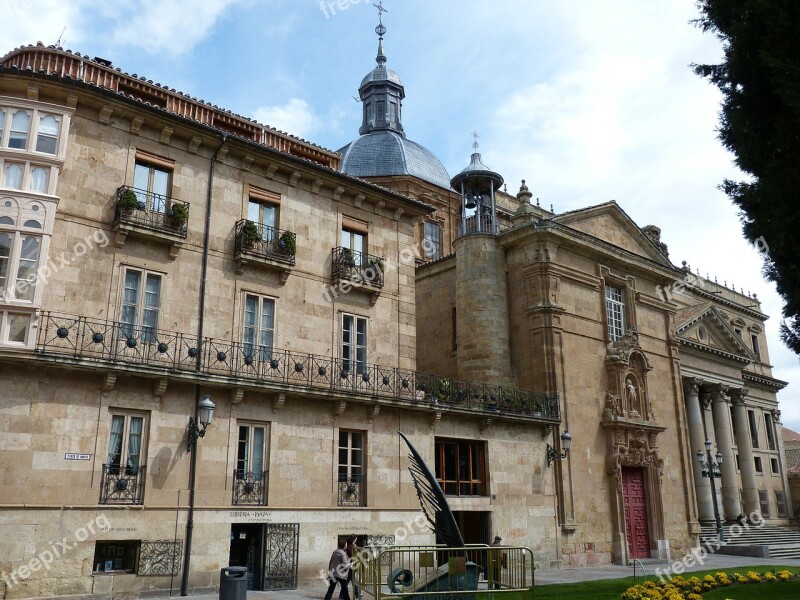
632	396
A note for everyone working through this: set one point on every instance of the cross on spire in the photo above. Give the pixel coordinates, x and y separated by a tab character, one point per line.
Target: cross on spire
475	143
380	29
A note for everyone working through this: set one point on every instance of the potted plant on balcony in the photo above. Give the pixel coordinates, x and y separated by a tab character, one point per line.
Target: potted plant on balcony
288	243
178	215
250	234
127	200
375	270
347	258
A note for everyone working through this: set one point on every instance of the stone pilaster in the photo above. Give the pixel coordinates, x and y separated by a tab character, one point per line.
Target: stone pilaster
745	446
722	428
697	439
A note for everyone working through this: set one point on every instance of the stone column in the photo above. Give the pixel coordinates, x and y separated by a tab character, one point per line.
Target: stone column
722	427
745	446
709	429
697	440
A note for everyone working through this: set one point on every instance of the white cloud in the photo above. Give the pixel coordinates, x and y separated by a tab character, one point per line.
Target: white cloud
294	117
29	21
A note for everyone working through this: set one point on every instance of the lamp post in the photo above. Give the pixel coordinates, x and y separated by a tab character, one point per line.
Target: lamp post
711	470
204	413
566	443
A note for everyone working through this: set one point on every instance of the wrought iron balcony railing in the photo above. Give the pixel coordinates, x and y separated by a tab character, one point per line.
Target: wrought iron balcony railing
249	489
267	242
357	267
151	210
122	485
110	342
477	224
352	491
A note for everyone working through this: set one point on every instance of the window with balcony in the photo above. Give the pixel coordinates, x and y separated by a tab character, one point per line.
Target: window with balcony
432	242
351	484
123	472
141	301
264	214
354	344
461	467
259	241
258	332
249	486
151	183
615	313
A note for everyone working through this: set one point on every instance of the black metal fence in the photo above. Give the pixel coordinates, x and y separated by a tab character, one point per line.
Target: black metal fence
151	210
114	342
122	485
356	267
260	240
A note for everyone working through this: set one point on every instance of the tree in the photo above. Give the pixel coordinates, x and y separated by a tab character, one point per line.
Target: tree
760	124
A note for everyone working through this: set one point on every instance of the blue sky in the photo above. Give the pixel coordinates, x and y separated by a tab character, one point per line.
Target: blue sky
588	101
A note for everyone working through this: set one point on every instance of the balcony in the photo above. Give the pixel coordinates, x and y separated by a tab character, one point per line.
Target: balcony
352	491
160	354
150	216
249	489
357	270
259	245
122	485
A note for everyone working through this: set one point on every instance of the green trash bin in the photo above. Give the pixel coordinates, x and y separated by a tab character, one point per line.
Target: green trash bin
233	583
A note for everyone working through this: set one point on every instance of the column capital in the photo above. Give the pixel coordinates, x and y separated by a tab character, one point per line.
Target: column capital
719	392
691	385
705	398
737	395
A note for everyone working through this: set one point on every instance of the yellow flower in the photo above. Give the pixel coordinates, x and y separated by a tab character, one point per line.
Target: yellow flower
784	575
754	577
770	577
741	579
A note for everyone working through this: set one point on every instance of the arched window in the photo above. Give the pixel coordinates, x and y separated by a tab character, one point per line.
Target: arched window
47	135
20	128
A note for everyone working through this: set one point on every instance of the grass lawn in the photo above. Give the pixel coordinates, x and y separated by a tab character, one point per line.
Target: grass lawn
611	589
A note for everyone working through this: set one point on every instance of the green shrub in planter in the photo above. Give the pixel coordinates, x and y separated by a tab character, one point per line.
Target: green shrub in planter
347	257
179	214
288	243
250	233
127	200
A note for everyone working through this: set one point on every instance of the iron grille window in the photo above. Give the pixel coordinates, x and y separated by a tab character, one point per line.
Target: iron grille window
354	344
351	481
461	467
123	474
615	313
763	499
433	240
780	503
770	431
249	484
751	418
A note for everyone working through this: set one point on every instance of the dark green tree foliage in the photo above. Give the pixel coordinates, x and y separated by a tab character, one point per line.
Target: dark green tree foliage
760	124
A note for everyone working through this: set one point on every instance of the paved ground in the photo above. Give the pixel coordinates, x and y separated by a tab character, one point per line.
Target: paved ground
544	576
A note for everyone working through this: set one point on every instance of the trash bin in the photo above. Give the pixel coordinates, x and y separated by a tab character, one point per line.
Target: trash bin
233	583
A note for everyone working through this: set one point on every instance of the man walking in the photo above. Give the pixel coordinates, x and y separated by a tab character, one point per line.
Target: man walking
338	571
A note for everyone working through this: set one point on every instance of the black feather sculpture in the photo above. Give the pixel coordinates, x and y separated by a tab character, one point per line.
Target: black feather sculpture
432	499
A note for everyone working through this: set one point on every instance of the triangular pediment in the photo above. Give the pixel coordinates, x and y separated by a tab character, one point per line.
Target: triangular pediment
610	223
704	327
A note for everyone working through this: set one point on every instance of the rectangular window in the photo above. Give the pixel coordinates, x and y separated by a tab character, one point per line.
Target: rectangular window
356	242
259	327
12	175
354	344
251	451
351	482
116	556
756	349
19	130
615	313
125	444
769	428
751	418
151	183
763	499
461	467
141	300
432	243
19	260
47	134
759	467
773	463
780	503
263	211
738	332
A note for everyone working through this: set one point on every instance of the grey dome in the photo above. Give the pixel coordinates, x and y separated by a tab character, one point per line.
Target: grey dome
380	74
383	153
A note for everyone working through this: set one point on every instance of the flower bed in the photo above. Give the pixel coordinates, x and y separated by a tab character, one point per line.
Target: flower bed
692	588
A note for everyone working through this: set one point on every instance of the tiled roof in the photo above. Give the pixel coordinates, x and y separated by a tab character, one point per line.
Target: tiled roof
685	315
793	463
789	435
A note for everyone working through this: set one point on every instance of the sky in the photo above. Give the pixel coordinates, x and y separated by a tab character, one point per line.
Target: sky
587	101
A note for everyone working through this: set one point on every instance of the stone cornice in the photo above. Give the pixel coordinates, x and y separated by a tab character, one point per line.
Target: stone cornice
714	351
764	381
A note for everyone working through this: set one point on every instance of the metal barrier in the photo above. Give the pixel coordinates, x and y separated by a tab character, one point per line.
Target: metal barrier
440	573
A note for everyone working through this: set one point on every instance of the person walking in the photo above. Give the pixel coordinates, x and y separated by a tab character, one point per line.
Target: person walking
495	564
350	549
338	571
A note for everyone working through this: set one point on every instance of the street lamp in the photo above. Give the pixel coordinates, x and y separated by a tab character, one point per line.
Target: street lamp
566	443
711	470
204	413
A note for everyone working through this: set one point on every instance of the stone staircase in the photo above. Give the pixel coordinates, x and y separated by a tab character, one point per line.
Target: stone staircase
767	541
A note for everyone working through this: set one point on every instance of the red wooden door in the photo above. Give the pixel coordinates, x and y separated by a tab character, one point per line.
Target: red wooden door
635	503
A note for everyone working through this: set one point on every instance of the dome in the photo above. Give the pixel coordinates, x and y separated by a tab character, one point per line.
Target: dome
385	152
380	74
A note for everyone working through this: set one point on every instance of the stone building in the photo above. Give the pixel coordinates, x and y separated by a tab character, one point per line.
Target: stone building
156	250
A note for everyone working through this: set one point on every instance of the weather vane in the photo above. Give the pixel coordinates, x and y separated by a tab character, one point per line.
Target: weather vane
380	29
475	143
